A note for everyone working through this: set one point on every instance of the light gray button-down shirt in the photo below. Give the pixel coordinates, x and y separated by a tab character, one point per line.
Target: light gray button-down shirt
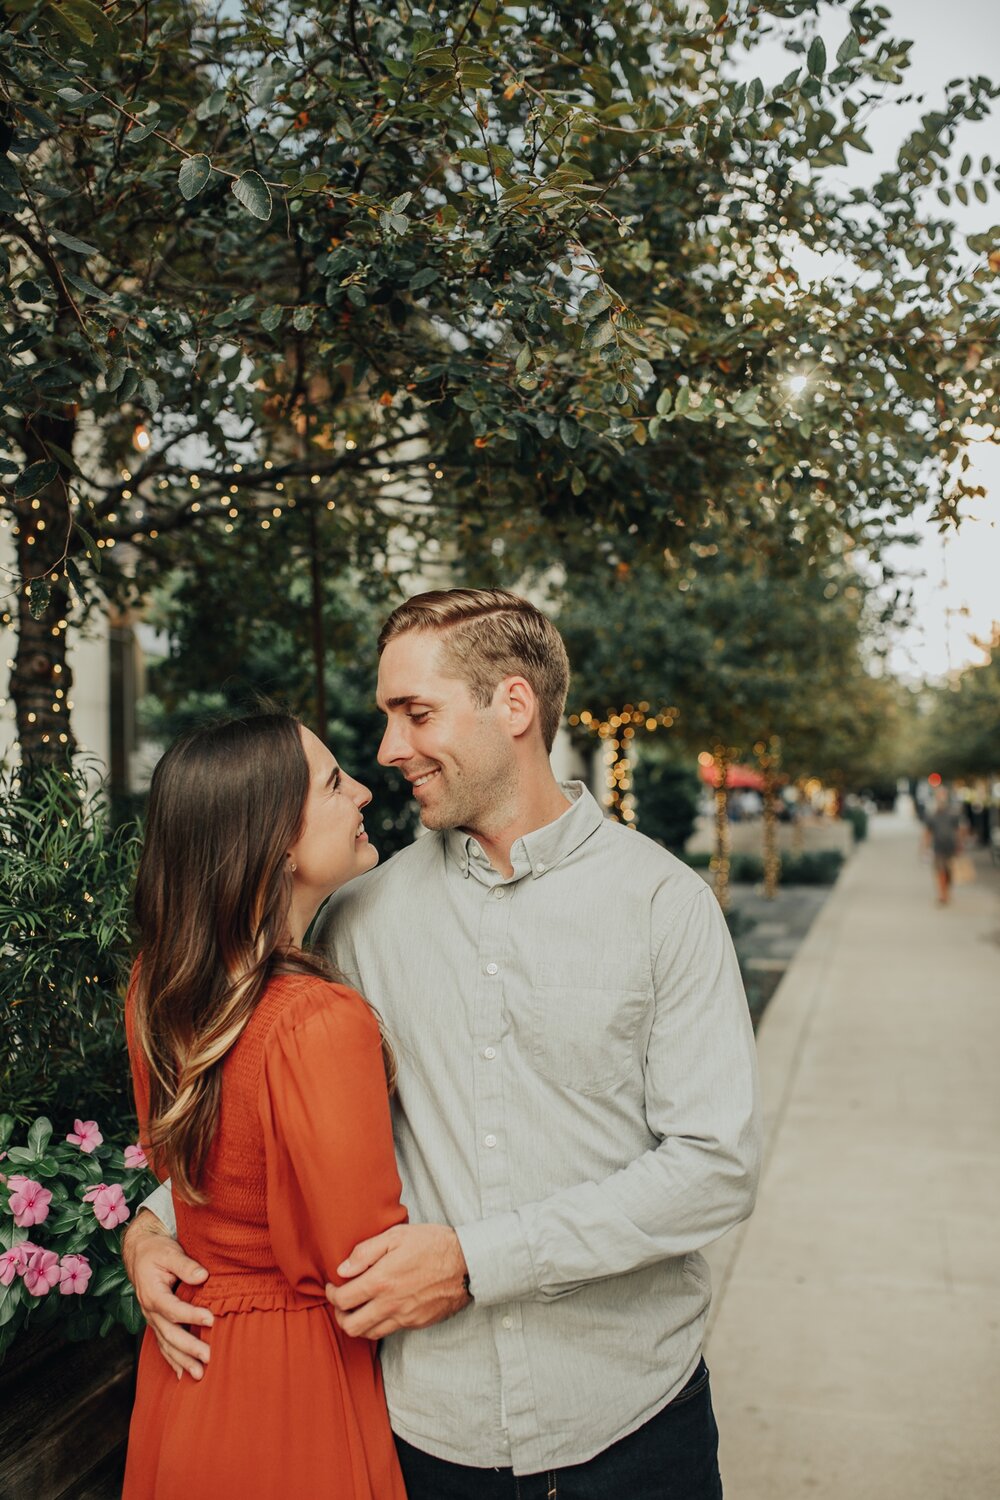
576	1096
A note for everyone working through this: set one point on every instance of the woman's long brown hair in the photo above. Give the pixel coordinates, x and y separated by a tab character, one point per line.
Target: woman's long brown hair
212	902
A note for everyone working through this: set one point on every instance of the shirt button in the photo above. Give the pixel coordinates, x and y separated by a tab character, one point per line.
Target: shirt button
493	968
507	1321
541	867
489	1053
490	1141
499	893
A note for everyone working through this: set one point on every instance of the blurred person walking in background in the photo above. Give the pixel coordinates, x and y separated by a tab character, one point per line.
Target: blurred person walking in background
944	836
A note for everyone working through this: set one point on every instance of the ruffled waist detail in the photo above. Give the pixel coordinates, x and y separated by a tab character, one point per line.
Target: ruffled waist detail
228	1292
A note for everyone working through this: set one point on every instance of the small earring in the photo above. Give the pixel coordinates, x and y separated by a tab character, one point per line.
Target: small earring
293	867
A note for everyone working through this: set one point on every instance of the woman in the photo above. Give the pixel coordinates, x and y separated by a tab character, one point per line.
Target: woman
261	1089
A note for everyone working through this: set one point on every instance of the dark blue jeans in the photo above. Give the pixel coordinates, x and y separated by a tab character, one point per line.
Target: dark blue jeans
674	1456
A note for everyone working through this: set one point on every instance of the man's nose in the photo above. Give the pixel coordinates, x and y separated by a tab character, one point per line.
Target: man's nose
393	747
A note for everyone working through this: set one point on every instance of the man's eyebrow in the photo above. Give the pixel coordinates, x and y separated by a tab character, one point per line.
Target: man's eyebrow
333	777
406	698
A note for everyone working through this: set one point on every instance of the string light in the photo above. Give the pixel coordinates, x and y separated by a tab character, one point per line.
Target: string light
141	439
617	730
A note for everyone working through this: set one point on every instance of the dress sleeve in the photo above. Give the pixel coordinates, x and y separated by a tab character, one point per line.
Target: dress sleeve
331	1169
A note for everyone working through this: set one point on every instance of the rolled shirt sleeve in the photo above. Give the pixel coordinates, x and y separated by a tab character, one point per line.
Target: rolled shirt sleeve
700	1102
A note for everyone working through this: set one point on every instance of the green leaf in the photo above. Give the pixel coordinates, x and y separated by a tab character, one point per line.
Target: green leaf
39	1135
594	303
88	18
848	48
569	432
72	243
39	594
89	546
107	1279
150	392
423	278
271	317
816	60
979	188
34	478
302	318
193	176
664	401
86	287
601	334
254	194
29	291
10	1298
128	1311
75	578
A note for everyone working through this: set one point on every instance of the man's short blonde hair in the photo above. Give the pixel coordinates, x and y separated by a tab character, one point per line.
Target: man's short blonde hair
487	635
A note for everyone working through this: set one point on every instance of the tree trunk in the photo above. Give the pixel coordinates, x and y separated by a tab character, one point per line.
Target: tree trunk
799	829
770	760
316	616
41	681
721	857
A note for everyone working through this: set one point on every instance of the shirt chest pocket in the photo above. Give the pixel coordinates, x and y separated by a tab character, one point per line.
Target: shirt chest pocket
583	1025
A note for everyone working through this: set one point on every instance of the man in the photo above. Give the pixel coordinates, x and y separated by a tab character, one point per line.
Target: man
576	1111
944	836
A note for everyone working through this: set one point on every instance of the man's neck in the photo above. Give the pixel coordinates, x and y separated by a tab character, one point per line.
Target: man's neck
541	803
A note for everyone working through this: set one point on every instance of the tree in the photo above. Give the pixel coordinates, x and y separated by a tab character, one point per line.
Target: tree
736	654
517	278
225	659
961	727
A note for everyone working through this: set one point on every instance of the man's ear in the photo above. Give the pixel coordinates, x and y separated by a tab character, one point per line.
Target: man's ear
517	698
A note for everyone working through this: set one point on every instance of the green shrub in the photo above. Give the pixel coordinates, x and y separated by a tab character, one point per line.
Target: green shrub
858	819
666	796
60	1261
65	882
816	867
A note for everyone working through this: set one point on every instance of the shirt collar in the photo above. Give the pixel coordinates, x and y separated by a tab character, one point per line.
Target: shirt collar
538	851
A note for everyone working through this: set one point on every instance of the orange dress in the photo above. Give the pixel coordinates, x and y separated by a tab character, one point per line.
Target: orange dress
301	1169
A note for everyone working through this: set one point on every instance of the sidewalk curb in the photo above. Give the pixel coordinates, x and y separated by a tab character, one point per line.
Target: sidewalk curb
781	1041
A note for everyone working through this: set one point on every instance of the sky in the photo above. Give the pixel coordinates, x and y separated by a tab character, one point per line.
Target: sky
955	577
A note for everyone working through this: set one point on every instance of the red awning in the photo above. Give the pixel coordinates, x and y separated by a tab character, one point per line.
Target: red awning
738	777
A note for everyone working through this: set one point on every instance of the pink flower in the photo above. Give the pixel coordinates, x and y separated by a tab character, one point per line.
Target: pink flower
135	1157
41	1273
29	1201
74	1274
109	1204
86	1135
11	1262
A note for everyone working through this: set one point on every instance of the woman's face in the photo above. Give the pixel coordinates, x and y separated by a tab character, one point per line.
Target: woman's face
332	846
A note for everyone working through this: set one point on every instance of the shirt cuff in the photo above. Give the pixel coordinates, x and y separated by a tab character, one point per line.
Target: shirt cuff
498	1260
161	1203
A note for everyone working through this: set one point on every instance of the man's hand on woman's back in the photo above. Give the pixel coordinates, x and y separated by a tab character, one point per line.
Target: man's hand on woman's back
155	1263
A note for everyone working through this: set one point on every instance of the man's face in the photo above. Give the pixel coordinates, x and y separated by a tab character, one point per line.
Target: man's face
458	758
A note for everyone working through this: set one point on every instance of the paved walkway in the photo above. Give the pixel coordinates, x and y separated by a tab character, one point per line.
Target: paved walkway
855	1345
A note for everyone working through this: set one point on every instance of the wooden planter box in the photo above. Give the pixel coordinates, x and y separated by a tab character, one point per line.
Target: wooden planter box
64	1414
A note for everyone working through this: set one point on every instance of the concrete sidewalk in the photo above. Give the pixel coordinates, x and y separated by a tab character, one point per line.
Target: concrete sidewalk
855	1342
